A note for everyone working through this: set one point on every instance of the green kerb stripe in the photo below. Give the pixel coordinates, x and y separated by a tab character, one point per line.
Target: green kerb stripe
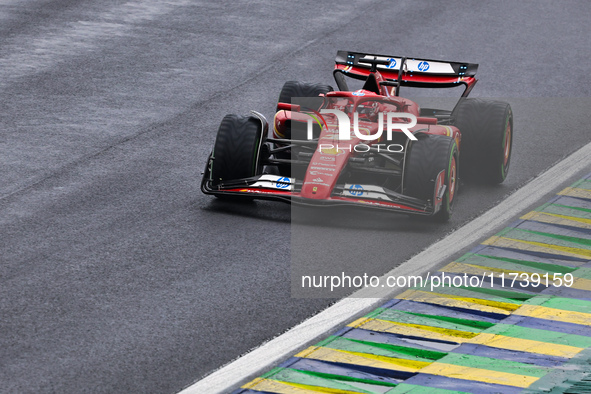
424	355
425	320
565	304
540	335
583	184
346	378
469	292
583	272
510	295
493	364
545	238
271	373
553	268
574	212
581	241
465	322
381	349
298	377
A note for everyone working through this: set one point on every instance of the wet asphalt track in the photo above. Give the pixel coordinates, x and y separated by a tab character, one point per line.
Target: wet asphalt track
116	273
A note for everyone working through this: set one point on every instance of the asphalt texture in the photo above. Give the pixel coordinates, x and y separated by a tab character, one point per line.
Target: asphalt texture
116	273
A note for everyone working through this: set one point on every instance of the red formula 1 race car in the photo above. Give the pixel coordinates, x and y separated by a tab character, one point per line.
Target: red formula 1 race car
369	147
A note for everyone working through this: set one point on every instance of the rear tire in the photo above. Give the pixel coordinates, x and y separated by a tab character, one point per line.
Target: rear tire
426	158
237	149
303	89
487	139
293	89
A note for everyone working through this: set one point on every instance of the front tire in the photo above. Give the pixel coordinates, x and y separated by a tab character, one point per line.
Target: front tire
426	158
236	152
487	139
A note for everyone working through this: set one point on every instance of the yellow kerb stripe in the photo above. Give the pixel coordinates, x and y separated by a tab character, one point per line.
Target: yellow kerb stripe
459	302
582	284
553	218
416	330
575	192
392	328
537	247
543	312
480	375
365	359
525	345
275	386
493	340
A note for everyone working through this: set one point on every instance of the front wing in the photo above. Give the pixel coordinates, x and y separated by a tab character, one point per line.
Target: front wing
274	187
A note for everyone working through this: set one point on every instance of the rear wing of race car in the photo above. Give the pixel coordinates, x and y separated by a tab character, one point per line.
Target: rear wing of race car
421	73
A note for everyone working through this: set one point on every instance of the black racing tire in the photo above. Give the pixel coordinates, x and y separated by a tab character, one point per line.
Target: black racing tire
487	139
293	89
303	89
425	159
236	150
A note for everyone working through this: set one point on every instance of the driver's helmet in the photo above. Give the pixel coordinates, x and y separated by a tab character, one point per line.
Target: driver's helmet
368	110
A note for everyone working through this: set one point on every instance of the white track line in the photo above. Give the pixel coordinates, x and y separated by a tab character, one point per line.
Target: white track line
281	347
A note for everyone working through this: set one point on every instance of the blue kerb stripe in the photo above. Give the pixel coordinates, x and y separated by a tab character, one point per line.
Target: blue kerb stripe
520	254
555	229
549	325
431	309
